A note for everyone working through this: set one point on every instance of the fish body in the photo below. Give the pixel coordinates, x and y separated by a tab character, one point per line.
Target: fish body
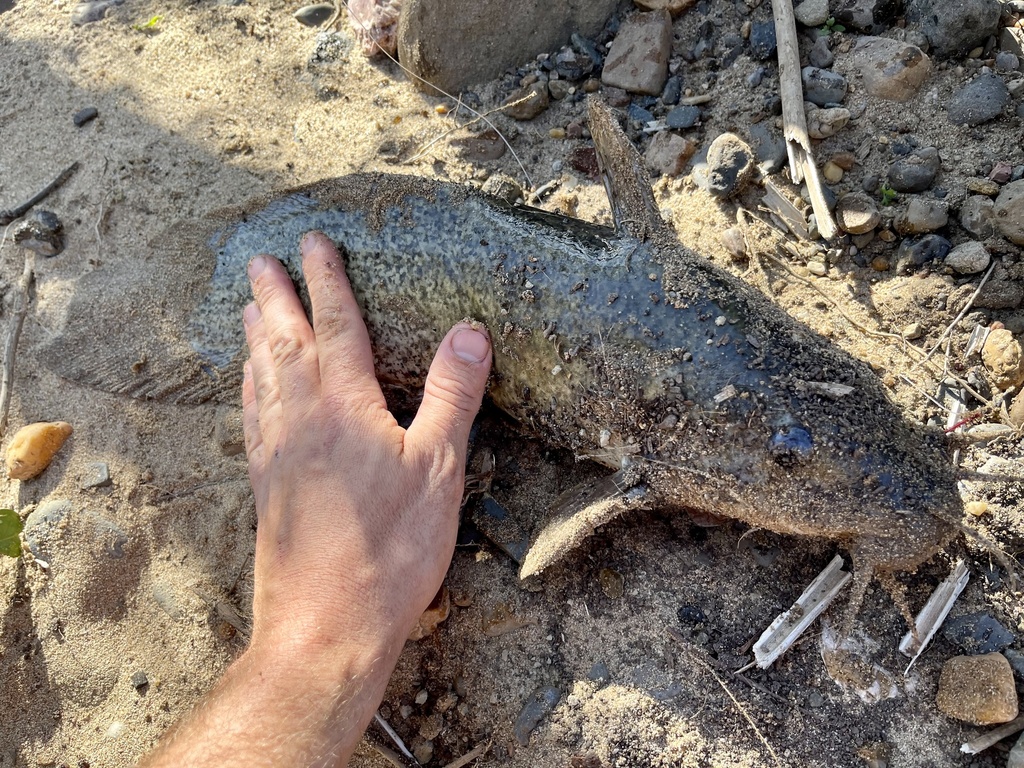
620	344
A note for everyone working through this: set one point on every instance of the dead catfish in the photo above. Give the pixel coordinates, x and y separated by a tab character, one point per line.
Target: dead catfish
619	344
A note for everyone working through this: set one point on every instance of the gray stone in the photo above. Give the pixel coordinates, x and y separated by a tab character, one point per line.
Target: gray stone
1016	659
870	16
916	252
968	258
96	474
916	171
668	153
683	117
1007	62
921	216
954	27
812	13
672	91
981	100
999	294
977	633
822	86
140	681
540	704
533	100
638	59
977	216
88	11
730	165
1016	757
857	214
763	43
42	527
559	89
889	69
821	55
83	116
454	44
1009	212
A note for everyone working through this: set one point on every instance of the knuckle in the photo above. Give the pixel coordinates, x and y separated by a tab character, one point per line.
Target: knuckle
452	391
332	322
288	348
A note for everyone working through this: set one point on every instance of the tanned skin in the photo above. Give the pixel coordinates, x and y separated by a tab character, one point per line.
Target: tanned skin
357	520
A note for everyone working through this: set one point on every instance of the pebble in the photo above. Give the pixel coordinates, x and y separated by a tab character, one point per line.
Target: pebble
823	123
968	258
977	216
916	252
823	86
912	332
845	160
977	633
88	11
954	33
423	752
140	681
921	216
421	697
668	153
672	91
96	474
734	242
730	165
540	704
314	15
41	232
639	114
1007	62
504	187
832	173
821	55
915	171
534	100
981	100
683	117
34	446
976	508
857	214
612	583
1016	757
1009	212
1001	172
978	689
762	40
638	59
83	116
599	672
890	69
815	700
559	89
812	13
1003	358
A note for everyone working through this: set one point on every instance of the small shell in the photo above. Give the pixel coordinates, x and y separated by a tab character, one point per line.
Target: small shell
33	448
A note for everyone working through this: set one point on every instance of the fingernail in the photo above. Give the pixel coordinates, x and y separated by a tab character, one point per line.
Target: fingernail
256	267
470	345
251	313
307	243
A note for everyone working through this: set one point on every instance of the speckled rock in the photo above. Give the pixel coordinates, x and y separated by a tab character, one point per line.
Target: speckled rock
889	69
823	123
981	100
1003	358
638	59
954	27
916	171
857	213
977	216
999	294
812	13
668	153
533	101
968	258
456	43
1009	212
730	165
921	216
822	86
978	689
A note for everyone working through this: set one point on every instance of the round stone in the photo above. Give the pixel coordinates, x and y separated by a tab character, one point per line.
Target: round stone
968	258
857	213
978	689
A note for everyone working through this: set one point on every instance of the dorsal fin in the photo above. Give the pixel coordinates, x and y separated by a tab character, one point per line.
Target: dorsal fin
625	177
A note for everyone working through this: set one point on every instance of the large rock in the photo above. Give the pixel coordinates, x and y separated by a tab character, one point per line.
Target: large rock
889	69
456	43
978	689
1009	211
1004	359
638	59
981	100
954	27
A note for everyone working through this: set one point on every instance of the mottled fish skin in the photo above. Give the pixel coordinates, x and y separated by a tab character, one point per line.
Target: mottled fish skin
617	348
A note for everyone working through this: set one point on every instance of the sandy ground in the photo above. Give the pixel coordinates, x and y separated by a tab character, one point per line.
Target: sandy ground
219	103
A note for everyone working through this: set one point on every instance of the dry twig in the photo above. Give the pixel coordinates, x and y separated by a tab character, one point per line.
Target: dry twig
21	302
479	751
10	214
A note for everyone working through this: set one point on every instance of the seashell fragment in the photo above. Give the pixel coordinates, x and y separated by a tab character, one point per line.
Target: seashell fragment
33	448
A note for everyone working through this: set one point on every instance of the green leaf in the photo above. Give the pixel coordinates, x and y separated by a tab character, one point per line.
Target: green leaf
838	28
10	533
149	26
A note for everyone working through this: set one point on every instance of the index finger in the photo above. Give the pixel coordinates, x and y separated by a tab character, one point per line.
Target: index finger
342	341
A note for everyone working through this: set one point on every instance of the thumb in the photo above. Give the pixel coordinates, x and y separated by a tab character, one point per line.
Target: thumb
454	388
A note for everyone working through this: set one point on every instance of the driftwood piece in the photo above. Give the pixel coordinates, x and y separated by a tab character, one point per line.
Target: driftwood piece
934	613
21	302
791	92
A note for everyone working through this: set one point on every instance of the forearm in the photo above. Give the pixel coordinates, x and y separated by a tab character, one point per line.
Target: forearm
274	711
